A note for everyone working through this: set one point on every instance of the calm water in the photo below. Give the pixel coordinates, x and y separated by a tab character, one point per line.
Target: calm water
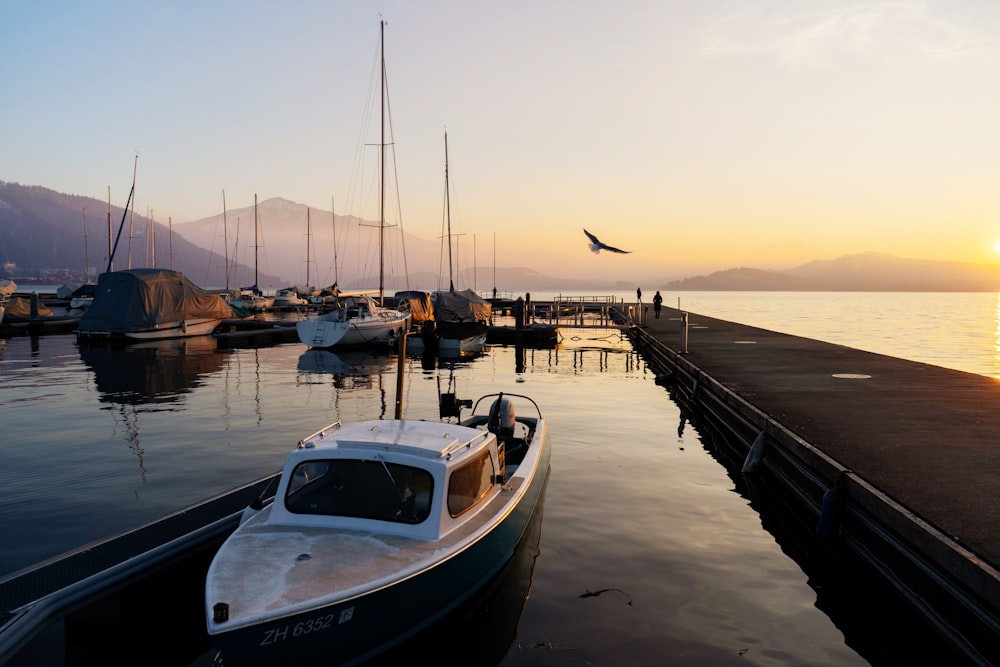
649	552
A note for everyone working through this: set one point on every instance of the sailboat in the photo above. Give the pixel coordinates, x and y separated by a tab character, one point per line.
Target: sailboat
357	319
460	322
251	298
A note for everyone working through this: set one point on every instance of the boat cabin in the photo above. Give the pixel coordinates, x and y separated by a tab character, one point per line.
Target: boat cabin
412	478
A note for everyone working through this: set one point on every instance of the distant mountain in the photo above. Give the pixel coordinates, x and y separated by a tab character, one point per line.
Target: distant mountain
42	235
864	272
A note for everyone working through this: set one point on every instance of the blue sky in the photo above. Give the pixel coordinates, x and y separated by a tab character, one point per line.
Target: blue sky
699	135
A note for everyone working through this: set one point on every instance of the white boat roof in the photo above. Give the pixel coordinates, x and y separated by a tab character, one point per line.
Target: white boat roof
425	439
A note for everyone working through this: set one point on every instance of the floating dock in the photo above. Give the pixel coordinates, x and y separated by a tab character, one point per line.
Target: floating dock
254	333
891	463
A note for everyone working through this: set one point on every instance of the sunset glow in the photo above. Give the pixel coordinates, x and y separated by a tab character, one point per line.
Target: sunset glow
703	136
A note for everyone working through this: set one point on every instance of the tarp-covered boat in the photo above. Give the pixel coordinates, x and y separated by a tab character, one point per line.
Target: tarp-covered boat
147	304
460	323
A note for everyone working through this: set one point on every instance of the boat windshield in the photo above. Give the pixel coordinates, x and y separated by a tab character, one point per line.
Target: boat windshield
361	489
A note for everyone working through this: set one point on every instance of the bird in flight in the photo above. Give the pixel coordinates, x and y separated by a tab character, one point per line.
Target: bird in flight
596	246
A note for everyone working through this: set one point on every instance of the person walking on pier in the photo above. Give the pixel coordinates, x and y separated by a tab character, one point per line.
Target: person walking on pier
638	294
657	303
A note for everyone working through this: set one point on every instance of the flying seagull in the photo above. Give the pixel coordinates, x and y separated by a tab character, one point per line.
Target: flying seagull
596	246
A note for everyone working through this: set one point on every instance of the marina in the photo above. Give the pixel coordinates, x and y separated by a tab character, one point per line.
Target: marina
595	353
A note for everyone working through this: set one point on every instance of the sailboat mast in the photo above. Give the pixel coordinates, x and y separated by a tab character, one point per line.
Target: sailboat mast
381	206
152	237
111	264
447	200
131	219
256	246
225	236
121	225
333	222
86	248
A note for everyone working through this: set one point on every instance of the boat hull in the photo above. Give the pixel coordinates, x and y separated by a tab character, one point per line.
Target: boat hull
357	629
320	332
182	329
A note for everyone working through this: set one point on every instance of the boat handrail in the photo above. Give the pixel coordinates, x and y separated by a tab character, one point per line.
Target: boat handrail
320	433
508	394
448	451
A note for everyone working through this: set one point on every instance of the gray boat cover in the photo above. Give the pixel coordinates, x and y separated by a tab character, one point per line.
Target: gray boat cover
136	299
461	306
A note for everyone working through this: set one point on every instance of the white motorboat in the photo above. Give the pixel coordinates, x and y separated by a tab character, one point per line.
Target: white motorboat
288	298
377	530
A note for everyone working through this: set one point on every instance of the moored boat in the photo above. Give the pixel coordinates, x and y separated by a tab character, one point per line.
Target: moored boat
356	320
461	317
151	304
287	298
377	530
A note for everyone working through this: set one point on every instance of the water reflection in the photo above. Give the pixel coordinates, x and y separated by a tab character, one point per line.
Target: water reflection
152	372
355	369
157	373
996	335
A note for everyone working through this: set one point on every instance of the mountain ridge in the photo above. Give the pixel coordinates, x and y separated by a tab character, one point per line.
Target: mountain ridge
41	232
860	272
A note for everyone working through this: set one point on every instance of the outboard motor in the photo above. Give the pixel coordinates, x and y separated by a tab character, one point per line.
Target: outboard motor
502	417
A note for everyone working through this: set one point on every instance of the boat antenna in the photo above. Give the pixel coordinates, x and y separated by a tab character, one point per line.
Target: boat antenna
111	256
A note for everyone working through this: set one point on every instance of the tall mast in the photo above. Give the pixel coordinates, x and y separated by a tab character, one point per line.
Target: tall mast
121	225
152	237
131	219
256	247
381	206
308	239
225	236
447	200
170	240
333	221
86	248
111	264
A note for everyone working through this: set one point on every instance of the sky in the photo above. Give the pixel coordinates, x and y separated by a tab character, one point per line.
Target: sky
700	136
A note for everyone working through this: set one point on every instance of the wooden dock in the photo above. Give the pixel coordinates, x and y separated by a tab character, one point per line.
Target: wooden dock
891	463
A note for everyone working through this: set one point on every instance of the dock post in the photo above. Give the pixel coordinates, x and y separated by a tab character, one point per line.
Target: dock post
684	333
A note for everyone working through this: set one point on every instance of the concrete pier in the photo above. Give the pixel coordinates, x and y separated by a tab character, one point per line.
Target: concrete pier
907	453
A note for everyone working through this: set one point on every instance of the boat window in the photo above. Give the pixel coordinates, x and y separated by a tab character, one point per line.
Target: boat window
470	483
361	489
